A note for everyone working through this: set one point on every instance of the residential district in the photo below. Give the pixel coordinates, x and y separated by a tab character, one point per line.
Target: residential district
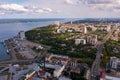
68	51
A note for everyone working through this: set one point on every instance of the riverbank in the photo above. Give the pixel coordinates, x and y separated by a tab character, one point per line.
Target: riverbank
3	52
16	27
6	33
4	55
9	30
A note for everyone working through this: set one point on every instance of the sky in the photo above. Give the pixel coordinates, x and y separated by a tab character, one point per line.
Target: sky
59	8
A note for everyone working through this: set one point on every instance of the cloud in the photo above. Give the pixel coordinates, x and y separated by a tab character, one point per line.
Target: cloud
87	2
72	2
57	11
18	9
97	1
69	1
39	11
2	13
106	5
13	7
47	10
59	8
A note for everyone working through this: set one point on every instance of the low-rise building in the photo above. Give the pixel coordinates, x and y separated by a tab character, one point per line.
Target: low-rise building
40	47
62	29
93	27
72	66
102	75
87	74
73	27
104	27
36	73
57	62
78	68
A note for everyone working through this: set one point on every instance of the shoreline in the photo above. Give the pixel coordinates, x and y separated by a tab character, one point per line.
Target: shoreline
64	20
5	47
8	21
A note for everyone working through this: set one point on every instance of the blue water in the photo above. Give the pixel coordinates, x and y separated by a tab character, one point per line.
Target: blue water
11	29
2	68
3	52
8	30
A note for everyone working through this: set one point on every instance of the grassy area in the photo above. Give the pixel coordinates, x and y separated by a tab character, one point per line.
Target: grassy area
100	33
109	51
47	36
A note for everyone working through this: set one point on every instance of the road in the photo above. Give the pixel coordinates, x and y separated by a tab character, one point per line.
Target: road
32	44
4	69
95	75
37	59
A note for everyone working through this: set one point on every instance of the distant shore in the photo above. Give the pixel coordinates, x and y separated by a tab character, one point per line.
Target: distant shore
8	21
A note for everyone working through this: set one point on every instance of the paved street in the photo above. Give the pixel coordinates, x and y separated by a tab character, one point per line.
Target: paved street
96	64
39	59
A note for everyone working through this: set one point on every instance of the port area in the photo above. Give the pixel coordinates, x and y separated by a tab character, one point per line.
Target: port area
5	55
16	50
21	50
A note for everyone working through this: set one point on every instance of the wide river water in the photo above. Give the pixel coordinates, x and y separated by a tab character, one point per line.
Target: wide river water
8	30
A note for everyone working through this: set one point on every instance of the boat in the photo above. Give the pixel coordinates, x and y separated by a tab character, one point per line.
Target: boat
4	42
7	51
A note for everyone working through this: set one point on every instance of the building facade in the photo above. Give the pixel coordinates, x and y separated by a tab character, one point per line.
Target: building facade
21	35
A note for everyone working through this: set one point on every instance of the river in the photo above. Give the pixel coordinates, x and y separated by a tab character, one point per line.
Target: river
8	30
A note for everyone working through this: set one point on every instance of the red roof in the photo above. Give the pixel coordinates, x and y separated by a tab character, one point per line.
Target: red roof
58	58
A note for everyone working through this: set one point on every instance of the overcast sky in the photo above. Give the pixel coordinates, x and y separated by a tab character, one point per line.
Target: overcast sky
59	8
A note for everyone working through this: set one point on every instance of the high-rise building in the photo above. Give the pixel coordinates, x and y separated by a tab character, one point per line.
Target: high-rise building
89	39
85	30
108	28
73	63
21	35
92	39
71	22
113	62
57	23
80	41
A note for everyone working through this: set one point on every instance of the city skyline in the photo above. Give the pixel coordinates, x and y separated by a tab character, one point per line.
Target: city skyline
59	9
